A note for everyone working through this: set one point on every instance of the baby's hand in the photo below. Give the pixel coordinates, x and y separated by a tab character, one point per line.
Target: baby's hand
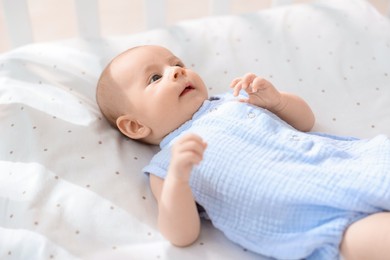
261	92
186	152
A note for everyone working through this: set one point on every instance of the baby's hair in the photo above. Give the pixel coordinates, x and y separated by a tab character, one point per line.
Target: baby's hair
104	93
110	97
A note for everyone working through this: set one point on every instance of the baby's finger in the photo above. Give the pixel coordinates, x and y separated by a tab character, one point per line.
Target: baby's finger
234	82
190	156
258	84
193	146
247	80
190	141
244	100
188	137
237	89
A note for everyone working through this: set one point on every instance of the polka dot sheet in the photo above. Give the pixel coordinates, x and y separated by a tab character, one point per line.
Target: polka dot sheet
71	187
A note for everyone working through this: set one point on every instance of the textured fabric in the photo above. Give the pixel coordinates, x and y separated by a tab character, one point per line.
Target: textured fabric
277	191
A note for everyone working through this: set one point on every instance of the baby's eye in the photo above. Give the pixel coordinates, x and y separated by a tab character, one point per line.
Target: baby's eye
154	78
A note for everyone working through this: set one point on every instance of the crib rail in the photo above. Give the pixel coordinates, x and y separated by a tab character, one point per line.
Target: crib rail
17	19
18	22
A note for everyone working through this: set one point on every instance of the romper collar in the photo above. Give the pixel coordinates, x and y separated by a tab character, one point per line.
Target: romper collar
206	106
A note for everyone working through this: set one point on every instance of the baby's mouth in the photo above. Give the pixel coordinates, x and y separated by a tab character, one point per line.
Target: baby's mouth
186	90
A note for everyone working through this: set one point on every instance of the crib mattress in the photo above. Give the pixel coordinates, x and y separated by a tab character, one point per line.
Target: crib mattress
71	186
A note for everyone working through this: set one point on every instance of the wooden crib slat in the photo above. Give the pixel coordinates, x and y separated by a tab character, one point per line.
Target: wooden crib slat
220	7
388	10
18	23
155	12
281	2
20	31
87	12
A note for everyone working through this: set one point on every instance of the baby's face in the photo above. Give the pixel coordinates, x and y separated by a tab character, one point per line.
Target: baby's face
163	93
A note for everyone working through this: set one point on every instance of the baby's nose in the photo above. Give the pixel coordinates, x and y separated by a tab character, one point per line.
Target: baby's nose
177	72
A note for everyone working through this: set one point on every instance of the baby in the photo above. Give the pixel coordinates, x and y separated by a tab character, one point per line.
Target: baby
249	160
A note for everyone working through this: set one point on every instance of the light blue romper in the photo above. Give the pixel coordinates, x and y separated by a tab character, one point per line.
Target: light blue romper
278	191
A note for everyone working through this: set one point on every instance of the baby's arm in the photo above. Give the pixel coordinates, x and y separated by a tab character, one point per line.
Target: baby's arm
178	218
291	108
367	238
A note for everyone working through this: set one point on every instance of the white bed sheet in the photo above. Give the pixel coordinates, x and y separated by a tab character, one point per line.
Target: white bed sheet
71	187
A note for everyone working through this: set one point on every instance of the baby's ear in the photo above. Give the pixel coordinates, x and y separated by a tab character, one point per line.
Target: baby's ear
132	128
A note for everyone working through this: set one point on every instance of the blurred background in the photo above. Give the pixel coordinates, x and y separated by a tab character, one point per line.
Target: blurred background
55	19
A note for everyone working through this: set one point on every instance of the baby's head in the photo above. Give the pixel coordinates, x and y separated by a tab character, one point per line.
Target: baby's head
147	92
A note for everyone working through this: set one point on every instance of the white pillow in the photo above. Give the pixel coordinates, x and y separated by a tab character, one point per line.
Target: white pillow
72	186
